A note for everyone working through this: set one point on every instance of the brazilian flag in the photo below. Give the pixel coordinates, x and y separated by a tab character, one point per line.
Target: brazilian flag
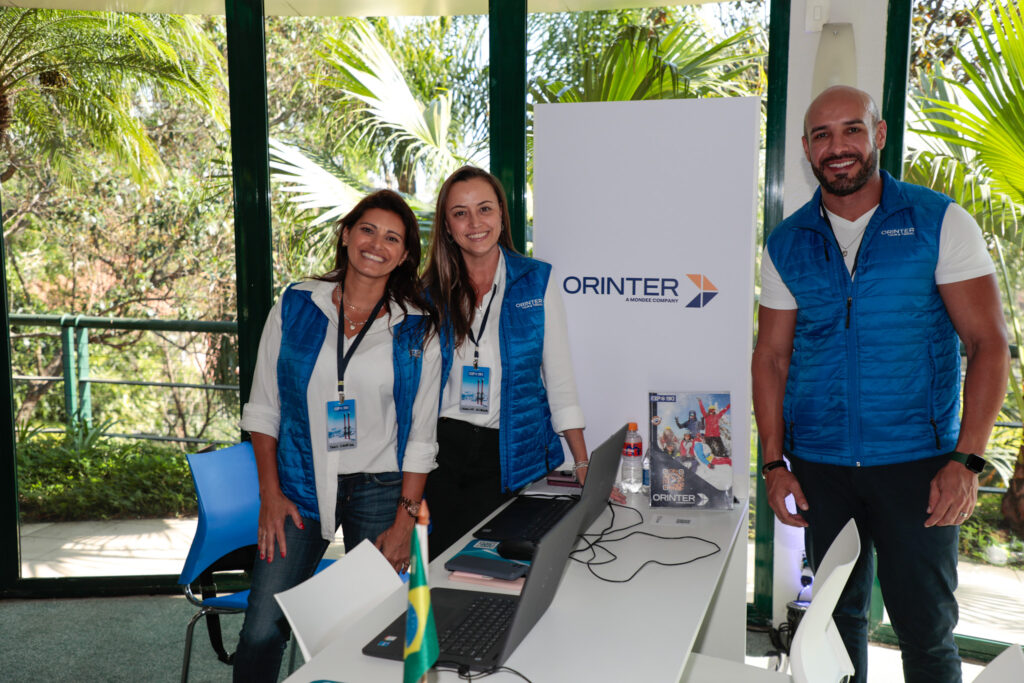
421	648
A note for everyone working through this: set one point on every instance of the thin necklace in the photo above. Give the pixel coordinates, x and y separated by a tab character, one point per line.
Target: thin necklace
356	308
341	297
352	323
846	248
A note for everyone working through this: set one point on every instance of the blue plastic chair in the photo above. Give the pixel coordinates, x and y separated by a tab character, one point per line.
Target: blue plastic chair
228	493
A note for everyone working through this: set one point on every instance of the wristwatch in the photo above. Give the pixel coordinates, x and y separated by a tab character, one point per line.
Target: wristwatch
769	466
410	507
975	463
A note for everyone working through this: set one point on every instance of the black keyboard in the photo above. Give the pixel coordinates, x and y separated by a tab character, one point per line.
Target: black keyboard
526	518
542	523
485	623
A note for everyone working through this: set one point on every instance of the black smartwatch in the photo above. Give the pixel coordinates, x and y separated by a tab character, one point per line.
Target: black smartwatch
974	463
769	466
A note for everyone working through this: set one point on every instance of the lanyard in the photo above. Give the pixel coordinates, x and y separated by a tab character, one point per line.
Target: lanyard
343	359
828	222
483	324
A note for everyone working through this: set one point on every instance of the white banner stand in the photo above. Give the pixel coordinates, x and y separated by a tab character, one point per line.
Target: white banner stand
647	212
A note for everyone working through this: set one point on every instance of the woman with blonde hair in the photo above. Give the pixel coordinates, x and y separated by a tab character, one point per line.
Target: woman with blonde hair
508	385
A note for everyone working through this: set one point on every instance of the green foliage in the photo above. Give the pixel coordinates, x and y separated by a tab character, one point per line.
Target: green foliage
993	123
85	477
987	528
70	84
122	240
973	132
646	63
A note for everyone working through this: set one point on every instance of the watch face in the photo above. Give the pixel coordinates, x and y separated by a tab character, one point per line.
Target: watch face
972	462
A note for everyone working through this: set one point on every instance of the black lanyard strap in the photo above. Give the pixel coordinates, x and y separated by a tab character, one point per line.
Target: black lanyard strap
828	222
483	324
344	358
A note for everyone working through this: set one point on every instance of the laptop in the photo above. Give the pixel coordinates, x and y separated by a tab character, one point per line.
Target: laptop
481	630
530	517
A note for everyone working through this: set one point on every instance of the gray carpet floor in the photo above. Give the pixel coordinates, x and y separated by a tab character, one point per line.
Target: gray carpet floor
131	639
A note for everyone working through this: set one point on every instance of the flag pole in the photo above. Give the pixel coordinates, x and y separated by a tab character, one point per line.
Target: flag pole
421	647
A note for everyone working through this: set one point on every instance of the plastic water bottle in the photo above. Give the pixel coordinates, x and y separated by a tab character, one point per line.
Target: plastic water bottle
632	477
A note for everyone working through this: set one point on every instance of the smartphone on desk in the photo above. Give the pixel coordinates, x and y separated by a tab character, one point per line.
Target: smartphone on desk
563	478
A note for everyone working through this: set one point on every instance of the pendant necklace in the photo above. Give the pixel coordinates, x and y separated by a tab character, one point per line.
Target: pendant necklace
352	323
341	299
846	248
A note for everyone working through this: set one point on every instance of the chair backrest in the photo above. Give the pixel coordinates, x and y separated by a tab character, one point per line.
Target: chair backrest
818	654
327	603
228	491
1008	667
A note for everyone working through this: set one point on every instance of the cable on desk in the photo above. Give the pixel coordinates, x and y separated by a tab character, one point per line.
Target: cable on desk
601	541
466	674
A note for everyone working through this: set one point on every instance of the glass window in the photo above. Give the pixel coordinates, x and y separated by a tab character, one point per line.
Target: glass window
117	205
956	55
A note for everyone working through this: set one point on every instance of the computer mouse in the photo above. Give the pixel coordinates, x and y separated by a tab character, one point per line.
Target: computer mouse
516	549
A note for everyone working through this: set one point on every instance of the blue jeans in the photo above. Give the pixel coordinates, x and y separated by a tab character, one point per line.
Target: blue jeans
916	566
365	509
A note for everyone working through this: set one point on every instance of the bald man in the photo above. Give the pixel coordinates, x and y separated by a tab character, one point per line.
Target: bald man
867	292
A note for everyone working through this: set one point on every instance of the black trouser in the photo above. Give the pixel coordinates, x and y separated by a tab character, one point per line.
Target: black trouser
916	565
466	486
717	446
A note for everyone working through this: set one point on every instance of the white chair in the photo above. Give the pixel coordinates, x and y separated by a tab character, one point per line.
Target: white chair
1008	667
818	654
344	592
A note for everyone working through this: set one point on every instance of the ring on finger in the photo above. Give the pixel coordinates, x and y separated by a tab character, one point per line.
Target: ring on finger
963	514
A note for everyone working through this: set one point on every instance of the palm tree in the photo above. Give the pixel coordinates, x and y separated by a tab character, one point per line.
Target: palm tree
651	63
412	117
71	80
410	128
76	83
980	124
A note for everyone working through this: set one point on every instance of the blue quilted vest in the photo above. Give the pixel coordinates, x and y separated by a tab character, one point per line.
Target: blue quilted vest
303	329
875	372
527	444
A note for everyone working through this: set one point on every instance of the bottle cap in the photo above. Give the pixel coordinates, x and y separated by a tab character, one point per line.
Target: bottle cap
632	426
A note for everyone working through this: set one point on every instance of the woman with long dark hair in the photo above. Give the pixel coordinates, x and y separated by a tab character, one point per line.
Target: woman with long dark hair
509	389
343	415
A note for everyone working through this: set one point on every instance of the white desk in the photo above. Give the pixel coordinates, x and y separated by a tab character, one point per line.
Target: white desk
593	631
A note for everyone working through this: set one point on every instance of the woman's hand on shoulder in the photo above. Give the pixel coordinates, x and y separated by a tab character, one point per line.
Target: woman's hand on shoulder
275	509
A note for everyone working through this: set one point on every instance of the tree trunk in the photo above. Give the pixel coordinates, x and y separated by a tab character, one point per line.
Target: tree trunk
1013	500
37	391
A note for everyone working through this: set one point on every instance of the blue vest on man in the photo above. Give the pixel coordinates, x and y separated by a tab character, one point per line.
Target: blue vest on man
303	329
875	373
527	444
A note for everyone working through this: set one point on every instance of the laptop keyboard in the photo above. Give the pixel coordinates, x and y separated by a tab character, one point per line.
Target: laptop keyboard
487	621
543	522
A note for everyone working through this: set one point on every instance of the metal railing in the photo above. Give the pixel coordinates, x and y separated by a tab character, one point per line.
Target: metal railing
74	344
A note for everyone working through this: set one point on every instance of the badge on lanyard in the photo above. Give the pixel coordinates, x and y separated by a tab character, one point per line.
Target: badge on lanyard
341	425
341	414
476	390
476	381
